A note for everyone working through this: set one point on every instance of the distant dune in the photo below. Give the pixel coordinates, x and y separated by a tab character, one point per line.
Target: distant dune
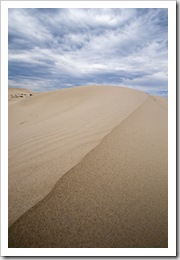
88	168
14	93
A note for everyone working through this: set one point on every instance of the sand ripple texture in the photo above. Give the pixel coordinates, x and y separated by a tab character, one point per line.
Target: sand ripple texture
88	169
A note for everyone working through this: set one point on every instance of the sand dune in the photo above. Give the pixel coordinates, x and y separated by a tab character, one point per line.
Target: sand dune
16	93
112	144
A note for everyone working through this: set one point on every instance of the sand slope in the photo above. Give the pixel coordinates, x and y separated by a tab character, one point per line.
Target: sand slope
51	132
117	195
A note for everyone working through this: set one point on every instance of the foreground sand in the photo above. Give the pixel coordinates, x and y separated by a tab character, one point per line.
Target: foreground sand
112	144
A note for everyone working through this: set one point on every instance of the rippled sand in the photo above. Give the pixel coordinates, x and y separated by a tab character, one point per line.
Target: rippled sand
88	168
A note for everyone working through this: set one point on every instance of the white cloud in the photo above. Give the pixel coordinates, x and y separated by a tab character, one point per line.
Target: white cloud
27	26
79	43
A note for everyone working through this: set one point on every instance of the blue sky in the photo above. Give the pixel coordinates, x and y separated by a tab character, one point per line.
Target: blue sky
58	48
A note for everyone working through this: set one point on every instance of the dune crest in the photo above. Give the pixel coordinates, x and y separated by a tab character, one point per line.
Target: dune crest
116	196
50	133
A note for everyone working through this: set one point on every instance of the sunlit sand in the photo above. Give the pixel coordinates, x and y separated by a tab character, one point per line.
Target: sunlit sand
88	168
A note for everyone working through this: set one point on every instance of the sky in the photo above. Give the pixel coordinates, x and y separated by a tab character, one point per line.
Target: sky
49	49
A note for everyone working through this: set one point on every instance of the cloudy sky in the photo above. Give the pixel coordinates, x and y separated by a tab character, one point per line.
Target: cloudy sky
59	48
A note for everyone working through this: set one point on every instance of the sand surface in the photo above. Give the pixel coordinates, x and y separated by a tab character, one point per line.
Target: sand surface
88	168
18	93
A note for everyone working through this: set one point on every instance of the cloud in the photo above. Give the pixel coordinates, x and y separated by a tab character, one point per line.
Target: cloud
55	48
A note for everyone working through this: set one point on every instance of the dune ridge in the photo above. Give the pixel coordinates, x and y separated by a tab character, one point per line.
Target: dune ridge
50	133
116	196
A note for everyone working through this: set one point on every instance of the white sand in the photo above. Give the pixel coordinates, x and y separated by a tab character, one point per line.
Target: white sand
112	144
51	132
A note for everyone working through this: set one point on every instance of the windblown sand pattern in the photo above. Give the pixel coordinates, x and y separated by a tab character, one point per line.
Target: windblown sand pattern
88	168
